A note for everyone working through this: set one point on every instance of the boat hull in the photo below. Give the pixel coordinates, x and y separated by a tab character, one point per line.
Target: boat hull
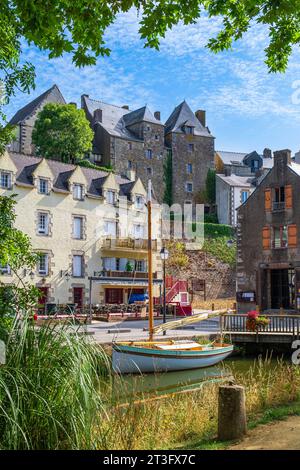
133	360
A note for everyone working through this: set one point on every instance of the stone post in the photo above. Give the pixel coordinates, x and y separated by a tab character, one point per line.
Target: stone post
232	412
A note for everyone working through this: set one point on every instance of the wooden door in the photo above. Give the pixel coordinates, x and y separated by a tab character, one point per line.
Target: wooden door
78	296
114	296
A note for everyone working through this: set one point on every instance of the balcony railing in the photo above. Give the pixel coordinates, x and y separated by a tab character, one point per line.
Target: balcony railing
124	274
128	243
278	206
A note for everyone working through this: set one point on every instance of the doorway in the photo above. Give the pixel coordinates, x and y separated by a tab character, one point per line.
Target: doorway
114	296
283	288
78	296
43	299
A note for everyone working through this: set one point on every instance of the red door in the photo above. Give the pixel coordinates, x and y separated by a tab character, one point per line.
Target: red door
78	296
114	296
43	298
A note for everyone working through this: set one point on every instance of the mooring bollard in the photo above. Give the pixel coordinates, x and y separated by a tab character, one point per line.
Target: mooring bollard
232	412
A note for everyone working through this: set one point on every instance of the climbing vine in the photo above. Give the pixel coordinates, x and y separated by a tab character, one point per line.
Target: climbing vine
168	199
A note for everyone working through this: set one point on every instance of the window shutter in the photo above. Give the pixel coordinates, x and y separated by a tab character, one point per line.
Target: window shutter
292	236
266	238
267	200
288	197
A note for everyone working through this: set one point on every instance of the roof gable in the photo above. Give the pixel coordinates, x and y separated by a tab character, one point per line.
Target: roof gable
31	107
182	115
7	163
140	115
43	170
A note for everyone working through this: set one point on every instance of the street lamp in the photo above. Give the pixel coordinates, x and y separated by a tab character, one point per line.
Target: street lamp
164	255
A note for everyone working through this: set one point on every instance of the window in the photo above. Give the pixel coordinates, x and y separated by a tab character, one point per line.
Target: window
189	129
244	196
78	192
4	269
138	231
280	237
43	223
110	197
5	180
77	266
43	186
279	198
129	165
189	187
189	168
140	266
43	264
149	154
149	171
156	137
78	228
110	228
129	146
191	147
139	202
109	264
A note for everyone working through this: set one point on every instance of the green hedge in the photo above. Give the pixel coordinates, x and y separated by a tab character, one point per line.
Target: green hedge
216	230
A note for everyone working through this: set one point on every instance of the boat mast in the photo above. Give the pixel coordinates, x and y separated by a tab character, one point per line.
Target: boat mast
150	280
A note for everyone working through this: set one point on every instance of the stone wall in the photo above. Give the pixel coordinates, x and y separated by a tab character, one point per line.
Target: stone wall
201	158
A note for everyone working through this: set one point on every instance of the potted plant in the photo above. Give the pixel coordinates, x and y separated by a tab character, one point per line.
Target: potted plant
255	321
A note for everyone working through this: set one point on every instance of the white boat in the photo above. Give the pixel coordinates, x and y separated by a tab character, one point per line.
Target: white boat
132	358
157	356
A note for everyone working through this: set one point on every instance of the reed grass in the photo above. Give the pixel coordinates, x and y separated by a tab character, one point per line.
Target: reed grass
50	389
185	418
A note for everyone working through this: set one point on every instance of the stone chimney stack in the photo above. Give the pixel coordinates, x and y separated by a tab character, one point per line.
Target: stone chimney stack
297	157
201	116
282	158
97	115
125	106
157	115
82	99
267	153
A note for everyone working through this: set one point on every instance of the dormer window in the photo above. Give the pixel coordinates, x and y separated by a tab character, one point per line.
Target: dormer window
189	130
139	202
43	186
78	192
111	197
149	154
5	180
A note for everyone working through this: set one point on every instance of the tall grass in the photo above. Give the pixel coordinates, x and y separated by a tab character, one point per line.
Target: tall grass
174	420
50	389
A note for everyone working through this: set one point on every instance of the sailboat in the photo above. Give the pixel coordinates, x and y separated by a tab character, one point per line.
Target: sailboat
162	356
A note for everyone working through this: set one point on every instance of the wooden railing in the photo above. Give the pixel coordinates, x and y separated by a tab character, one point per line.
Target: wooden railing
128	243
278	324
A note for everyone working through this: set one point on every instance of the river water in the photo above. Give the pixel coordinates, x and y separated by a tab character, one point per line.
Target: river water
148	385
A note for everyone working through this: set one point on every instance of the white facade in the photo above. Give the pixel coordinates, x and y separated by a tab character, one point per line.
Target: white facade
231	192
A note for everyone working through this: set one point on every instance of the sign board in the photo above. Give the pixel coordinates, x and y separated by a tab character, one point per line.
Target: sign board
247	296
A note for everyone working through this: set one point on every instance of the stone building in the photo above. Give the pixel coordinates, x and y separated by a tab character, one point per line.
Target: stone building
192	147
268	257
83	223
25	118
138	140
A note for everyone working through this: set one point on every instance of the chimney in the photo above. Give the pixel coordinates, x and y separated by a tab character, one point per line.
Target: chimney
131	174
97	115
297	157
73	104
282	158
227	171
82	99
157	115
201	116
267	153
125	106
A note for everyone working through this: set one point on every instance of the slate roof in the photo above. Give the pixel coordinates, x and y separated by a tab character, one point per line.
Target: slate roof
116	120
295	167
238	181
181	115
238	158
27	110
62	172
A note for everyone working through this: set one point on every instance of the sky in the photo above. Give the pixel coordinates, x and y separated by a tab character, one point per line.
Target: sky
247	108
